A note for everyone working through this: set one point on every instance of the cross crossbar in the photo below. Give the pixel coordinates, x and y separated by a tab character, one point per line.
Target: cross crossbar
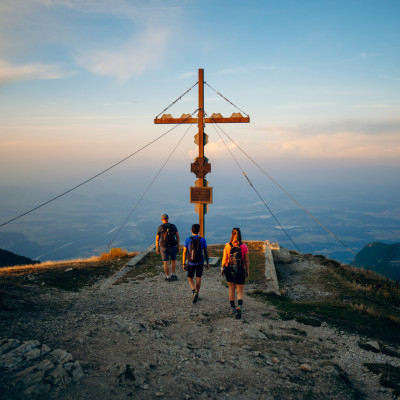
219	119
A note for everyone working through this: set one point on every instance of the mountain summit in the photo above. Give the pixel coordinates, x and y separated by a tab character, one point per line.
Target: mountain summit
331	334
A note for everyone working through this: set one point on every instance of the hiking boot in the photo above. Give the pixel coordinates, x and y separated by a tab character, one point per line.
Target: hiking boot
195	297
232	311
174	277
167	278
238	313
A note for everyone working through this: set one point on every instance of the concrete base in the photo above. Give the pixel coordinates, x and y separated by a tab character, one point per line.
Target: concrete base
213	261
128	267
270	272
279	254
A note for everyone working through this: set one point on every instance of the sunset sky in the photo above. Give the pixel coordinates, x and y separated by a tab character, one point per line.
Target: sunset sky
82	80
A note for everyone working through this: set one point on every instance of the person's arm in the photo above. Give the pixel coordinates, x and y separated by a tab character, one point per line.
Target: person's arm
225	259
206	258
158	243
177	239
184	258
247	263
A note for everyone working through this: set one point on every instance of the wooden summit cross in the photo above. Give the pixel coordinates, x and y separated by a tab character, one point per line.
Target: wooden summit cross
201	193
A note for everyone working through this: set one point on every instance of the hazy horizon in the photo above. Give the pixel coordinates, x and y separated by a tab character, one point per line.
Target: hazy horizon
83	222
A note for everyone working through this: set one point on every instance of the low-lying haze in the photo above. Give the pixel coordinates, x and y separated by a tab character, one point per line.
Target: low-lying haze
83	223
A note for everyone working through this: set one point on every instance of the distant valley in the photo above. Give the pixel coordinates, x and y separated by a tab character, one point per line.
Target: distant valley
84	223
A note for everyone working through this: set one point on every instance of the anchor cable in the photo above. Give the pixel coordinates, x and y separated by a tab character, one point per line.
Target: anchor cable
148	187
97	175
187	91
226	99
258	194
286	192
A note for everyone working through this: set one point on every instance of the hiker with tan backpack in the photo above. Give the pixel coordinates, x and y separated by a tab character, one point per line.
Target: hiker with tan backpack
167	243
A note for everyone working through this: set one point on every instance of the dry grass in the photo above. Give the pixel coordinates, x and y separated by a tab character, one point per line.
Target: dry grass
113	254
67	275
32	268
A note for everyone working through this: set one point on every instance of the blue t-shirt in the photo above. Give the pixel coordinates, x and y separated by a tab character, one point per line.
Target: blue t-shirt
203	244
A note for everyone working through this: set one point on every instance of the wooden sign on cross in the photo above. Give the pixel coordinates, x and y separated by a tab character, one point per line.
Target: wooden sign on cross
201	167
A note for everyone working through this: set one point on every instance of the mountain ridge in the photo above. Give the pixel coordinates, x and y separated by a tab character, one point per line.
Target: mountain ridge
380	257
8	258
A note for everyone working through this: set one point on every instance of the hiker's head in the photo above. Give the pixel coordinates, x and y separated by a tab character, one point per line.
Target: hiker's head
195	229
164	218
236	235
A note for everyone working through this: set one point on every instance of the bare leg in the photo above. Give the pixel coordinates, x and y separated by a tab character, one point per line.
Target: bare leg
232	287
173	266
198	284
240	290
166	267
191	283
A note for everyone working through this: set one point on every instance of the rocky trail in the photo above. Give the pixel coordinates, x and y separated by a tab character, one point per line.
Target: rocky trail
145	339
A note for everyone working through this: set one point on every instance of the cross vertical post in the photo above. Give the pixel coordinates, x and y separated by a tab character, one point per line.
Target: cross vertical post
201	193
201	182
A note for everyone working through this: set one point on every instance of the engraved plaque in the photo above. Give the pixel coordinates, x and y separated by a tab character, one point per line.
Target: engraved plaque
201	195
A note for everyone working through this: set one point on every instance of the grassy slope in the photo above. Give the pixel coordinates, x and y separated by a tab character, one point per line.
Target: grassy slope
360	301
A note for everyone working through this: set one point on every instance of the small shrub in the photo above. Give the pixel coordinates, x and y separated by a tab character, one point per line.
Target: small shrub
366	346
308	321
287	316
113	254
389	376
298	332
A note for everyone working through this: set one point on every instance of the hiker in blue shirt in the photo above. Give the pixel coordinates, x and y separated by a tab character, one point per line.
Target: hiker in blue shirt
193	259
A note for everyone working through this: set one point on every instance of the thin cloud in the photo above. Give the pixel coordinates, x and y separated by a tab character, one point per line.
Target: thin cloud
373	128
342	144
214	149
301	106
241	70
187	75
378	106
369	55
141	47
127	8
391	78
36	71
132	58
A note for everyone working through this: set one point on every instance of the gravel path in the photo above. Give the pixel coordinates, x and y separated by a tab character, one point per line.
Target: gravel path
146	339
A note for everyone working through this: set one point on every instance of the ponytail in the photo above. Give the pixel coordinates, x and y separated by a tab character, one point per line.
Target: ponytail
236	236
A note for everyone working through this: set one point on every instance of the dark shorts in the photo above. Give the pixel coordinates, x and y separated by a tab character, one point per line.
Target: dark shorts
192	269
237	278
168	253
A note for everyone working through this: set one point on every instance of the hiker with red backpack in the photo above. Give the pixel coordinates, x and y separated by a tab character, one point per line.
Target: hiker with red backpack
194	254
235	267
167	243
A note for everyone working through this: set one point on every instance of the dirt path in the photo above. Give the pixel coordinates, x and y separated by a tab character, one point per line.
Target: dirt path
146	339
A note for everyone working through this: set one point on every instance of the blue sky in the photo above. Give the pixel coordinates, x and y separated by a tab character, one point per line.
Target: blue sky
81	82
